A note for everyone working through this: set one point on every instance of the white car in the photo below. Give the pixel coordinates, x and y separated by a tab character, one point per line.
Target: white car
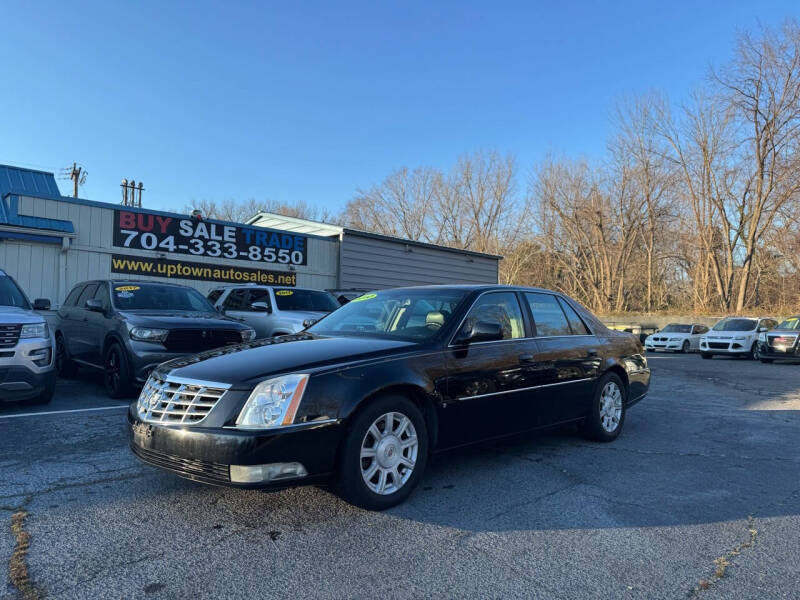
676	337
735	336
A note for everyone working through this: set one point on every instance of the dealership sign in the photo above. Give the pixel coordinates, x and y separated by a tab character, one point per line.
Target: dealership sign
148	231
197	271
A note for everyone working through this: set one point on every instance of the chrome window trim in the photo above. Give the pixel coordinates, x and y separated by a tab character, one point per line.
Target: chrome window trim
537	337
533	387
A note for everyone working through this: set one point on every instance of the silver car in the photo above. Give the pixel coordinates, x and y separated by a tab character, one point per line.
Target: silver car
272	310
27	366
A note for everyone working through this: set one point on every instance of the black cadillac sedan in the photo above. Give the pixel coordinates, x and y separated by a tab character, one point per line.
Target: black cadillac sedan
363	397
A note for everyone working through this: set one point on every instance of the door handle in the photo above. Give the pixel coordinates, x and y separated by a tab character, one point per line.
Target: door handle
526	358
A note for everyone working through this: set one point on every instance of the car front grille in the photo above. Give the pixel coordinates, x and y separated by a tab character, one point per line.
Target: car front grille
174	403
198	340
9	335
187	467
718	345
782	341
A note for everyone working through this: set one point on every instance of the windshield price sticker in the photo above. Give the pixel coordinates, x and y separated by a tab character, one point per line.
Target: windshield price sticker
146	231
365	297
284	293
127	288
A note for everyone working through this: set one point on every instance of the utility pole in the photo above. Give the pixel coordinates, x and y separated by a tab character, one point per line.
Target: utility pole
77	174
129	189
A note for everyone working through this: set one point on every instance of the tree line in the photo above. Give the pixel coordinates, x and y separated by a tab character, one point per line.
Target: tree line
693	207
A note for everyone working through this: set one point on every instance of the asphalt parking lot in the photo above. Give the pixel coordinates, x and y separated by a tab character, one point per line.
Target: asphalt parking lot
699	497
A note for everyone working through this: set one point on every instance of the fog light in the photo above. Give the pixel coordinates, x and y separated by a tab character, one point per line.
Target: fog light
41	357
265	473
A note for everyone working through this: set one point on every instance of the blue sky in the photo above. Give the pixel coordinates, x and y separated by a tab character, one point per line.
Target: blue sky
309	101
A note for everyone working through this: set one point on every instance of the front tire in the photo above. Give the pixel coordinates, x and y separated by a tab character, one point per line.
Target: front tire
384	454
116	372
685	347
64	366
608	409
754	353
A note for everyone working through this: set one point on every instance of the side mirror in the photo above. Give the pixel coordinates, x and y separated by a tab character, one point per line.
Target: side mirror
481	331
261	307
95	305
41	304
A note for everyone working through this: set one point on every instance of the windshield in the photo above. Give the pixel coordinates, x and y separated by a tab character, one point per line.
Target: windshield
289	299
675	328
10	294
148	296
790	323
414	315
736	325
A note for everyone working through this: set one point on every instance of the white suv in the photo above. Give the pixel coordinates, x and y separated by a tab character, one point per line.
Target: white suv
735	336
271	310
27	361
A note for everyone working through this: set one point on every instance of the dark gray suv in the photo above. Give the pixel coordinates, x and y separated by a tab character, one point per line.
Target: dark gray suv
125	328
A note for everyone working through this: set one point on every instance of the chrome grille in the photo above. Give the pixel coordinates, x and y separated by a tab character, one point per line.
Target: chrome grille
9	335
177	403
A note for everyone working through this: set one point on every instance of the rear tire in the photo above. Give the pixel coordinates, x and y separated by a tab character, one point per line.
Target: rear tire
64	366
383	439
706	355
116	372
608	409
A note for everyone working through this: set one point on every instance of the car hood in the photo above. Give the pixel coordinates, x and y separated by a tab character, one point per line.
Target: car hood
727	335
15	314
178	320
301	315
669	334
246	364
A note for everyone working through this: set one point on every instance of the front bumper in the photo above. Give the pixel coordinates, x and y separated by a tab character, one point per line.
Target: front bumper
671	346
205	454
21	377
767	351
146	356
725	347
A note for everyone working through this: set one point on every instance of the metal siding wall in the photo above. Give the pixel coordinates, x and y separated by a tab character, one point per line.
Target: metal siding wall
372	263
90	255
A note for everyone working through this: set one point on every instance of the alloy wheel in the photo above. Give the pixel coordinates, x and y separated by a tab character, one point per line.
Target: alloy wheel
389	453
112	370
610	407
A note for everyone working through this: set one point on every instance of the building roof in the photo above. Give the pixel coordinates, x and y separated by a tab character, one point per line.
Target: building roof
296	225
27	182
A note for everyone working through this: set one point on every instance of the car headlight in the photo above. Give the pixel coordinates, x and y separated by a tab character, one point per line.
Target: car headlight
273	402
248	334
34	330
740	338
674	339
148	334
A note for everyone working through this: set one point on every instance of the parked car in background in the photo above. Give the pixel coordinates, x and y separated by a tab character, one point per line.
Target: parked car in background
347	295
360	399
126	328
27	366
640	331
676	337
735	336
271	310
780	343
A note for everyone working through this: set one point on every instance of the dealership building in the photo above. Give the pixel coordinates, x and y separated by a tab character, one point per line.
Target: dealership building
50	242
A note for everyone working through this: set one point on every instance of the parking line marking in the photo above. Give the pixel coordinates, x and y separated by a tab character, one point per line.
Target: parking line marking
61	412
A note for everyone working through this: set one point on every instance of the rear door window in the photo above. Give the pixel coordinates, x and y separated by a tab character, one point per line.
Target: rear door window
214	295
72	297
548	316
576	324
